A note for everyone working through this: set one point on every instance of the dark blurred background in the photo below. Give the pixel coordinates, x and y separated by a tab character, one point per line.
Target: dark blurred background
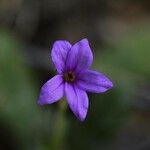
119	34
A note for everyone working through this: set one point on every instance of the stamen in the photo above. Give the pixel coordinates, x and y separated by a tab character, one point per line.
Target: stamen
69	76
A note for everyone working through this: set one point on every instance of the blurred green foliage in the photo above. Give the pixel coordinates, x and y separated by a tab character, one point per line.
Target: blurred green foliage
28	124
126	62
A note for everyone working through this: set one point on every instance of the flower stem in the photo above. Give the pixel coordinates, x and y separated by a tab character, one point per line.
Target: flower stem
59	127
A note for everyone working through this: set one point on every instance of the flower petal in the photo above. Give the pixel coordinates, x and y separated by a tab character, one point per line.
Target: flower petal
59	53
52	91
80	56
77	100
93	81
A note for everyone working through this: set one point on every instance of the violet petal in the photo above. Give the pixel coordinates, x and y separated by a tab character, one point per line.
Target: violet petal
77	100
52	90
80	56
59	53
93	81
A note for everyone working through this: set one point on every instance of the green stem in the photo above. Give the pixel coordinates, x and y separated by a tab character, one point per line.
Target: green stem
59	127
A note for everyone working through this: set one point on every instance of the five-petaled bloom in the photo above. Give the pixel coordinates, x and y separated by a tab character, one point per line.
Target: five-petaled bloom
74	77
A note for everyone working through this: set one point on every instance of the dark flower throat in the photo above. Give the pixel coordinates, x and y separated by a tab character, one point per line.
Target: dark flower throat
69	76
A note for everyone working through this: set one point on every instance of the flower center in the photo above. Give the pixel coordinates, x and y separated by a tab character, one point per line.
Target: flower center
69	76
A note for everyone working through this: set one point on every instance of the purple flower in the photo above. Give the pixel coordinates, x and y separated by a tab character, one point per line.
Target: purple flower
74	77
